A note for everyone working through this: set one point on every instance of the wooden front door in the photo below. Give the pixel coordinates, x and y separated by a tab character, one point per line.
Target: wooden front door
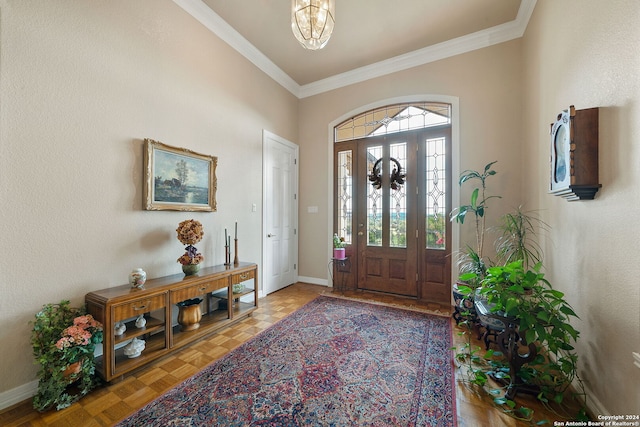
387	214
399	184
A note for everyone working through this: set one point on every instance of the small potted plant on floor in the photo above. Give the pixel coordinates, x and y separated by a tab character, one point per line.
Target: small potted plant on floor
63	340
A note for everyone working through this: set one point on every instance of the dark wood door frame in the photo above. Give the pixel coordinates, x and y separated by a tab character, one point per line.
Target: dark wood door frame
413	271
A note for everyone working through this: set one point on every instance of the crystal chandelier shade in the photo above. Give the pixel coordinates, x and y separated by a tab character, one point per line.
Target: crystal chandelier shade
312	22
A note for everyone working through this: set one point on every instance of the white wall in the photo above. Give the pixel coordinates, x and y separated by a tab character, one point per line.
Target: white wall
587	55
82	83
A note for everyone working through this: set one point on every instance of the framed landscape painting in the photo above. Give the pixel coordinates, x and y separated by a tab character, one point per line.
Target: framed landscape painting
178	179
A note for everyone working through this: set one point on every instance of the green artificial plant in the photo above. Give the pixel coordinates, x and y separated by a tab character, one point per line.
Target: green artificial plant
63	340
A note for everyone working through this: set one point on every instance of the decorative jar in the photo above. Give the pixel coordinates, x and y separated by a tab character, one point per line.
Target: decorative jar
189	314
137	278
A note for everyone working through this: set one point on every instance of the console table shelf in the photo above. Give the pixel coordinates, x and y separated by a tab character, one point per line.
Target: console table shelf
153	326
157	302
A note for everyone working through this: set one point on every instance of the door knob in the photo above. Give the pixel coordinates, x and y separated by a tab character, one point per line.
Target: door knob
271	235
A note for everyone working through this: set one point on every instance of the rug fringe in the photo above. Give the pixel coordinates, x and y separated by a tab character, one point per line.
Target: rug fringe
402	306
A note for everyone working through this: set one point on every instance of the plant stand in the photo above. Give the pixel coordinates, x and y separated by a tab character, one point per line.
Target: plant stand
511	345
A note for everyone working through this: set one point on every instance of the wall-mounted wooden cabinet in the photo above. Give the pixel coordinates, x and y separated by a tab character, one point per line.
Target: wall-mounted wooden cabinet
157	303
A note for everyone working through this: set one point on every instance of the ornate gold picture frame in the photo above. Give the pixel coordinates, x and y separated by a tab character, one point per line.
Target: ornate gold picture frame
178	179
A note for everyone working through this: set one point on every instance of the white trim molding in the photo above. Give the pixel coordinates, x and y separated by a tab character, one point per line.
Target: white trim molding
17	395
313	280
478	40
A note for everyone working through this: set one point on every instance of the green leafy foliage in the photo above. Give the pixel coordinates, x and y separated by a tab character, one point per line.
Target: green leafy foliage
543	317
472	260
67	374
516	237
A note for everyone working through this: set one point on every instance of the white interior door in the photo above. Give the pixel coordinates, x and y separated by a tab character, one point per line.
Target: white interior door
280	212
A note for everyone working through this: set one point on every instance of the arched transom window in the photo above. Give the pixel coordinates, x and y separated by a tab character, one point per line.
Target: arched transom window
394	118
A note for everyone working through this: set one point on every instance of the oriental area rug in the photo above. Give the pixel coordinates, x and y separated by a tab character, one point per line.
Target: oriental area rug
333	362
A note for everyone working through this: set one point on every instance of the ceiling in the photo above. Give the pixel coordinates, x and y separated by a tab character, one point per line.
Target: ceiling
371	37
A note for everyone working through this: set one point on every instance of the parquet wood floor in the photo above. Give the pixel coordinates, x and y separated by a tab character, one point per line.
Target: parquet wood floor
108	404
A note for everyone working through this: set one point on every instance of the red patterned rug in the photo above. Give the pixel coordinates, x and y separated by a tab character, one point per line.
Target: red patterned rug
334	362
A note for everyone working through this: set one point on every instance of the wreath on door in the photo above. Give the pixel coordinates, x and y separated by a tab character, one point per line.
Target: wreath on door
396	179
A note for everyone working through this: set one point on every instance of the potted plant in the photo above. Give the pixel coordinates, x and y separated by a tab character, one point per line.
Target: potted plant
471	262
190	232
536	352
517	238
63	340
338	247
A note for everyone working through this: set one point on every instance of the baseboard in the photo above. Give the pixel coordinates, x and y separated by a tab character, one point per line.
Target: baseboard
19	394
313	280
594	406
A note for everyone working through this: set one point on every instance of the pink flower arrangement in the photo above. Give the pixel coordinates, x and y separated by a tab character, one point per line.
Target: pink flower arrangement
82	331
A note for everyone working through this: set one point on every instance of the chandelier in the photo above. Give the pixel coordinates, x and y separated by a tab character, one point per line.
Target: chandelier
312	22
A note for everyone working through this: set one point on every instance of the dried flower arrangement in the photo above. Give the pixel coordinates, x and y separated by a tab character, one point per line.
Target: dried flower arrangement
190	232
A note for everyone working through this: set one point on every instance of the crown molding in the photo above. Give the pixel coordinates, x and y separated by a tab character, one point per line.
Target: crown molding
478	40
212	21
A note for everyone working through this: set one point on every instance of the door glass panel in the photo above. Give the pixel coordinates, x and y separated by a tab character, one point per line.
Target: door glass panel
435	194
375	168
398	196
345	194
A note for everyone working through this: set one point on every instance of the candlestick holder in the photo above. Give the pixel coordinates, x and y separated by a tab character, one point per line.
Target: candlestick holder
227	255
235	259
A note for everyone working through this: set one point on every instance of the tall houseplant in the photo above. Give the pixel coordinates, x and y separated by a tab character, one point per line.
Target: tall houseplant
517	238
471	262
472	259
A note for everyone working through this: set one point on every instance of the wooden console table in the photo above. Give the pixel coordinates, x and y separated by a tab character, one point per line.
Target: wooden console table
157	303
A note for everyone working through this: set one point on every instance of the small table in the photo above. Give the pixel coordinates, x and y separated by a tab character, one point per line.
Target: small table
342	266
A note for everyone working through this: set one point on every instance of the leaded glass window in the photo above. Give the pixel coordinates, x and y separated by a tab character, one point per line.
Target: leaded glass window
398	195
435	195
374	197
345	194
392	119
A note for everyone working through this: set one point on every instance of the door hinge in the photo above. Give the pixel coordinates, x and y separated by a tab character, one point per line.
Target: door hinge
416	234
416	277
295	196
295	266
